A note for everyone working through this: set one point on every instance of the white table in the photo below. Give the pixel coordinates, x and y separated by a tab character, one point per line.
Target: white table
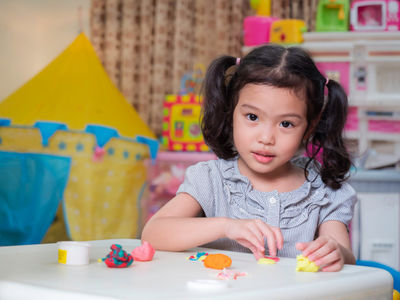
33	272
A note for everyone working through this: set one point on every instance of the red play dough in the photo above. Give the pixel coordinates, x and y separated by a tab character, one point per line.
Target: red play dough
145	252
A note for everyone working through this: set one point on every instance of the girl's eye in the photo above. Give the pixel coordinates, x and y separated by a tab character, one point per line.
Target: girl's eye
286	124
252	117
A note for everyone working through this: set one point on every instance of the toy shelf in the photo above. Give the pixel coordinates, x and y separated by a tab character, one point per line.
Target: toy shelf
351	36
367	64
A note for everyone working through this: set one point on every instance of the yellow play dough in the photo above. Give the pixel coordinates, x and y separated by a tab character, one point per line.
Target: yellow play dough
305	265
265	261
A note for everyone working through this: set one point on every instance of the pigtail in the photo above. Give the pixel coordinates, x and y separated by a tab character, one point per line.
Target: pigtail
217	109
328	136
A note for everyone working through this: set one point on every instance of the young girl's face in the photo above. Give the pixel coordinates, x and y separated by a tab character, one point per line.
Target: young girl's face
268	128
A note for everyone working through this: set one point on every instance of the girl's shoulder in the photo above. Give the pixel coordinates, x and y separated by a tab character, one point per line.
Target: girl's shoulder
217	167
313	176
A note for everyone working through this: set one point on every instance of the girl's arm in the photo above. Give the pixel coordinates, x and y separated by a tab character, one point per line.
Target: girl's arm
177	226
332	248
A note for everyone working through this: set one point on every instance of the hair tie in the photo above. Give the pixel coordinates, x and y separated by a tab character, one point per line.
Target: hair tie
326	81
237	60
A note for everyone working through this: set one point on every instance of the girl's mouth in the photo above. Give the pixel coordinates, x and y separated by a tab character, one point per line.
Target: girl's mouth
263	158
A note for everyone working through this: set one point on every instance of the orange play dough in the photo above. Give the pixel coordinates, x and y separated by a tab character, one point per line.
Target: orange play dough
217	261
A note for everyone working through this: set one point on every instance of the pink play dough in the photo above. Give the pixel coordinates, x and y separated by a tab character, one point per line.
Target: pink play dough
145	252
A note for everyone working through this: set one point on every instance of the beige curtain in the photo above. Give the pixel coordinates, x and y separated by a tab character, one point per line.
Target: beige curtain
147	46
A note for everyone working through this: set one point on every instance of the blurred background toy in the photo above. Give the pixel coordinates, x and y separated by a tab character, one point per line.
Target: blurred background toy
375	15
332	15
257	30
262	7
71	140
288	31
181	123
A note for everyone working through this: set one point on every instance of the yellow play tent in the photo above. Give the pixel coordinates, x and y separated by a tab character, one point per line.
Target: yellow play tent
69	135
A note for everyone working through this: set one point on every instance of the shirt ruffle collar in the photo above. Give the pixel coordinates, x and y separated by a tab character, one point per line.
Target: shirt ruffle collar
313	190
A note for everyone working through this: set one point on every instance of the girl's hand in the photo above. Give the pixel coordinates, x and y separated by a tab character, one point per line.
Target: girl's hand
324	251
251	233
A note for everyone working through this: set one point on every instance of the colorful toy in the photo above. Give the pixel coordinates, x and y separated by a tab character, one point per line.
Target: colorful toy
77	129
118	258
375	15
287	31
181	123
332	15
262	7
191	81
305	265
257	30
145	252
217	261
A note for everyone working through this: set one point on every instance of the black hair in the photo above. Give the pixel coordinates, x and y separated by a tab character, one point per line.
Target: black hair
281	67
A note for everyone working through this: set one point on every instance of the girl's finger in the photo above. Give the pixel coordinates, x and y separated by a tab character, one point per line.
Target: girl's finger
334	267
321	252
314	245
302	246
253	249
271	240
328	259
258	233
254	240
278	236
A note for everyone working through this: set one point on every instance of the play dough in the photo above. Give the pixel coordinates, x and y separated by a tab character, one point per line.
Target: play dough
217	261
118	258
265	261
200	256
305	265
145	252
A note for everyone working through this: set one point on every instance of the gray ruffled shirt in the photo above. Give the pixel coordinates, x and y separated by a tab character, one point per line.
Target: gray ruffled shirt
222	191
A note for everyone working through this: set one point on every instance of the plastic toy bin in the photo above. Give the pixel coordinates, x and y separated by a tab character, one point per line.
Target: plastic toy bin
164	177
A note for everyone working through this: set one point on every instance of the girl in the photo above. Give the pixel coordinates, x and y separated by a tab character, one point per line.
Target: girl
261	194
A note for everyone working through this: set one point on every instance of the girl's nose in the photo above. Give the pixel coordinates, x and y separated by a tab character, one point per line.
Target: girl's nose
267	137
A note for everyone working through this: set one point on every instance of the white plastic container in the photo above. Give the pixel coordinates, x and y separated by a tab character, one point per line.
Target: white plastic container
73	253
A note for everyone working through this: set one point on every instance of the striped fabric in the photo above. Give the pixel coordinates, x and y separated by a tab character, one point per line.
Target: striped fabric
222	191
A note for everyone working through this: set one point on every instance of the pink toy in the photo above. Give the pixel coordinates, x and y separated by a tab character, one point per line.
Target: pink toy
98	154
375	15
145	252
257	30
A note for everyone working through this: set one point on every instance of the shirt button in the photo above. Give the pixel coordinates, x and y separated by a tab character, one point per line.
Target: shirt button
272	200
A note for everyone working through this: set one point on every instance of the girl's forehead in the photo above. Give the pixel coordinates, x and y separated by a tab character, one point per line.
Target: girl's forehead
268	98
267	90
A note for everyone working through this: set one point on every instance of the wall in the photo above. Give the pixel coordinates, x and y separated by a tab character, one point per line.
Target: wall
33	33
